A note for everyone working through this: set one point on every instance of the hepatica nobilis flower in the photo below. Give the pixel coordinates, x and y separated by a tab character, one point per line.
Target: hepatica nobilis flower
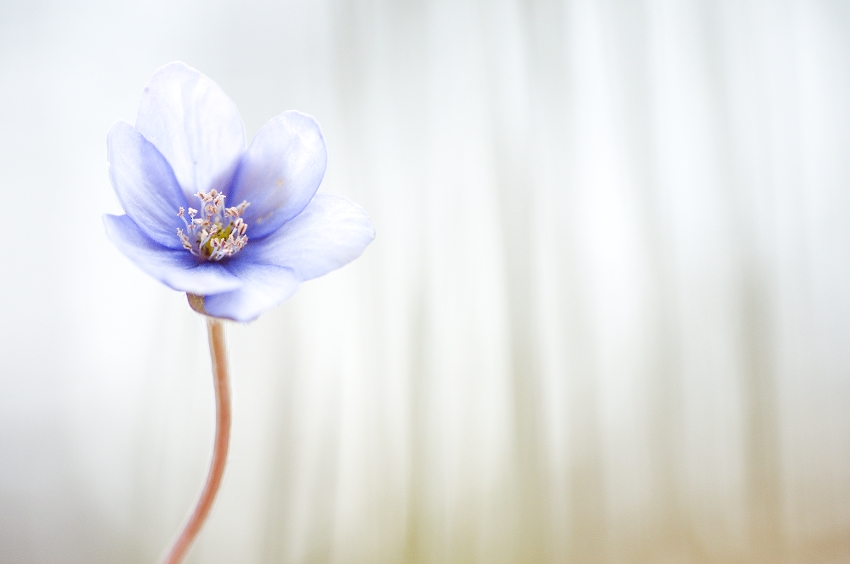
236	228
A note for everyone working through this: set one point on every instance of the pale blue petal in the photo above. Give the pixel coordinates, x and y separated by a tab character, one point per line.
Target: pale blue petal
280	172
145	184
193	123
330	232
177	269
265	286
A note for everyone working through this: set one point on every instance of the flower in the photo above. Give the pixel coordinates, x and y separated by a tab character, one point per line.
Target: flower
175	174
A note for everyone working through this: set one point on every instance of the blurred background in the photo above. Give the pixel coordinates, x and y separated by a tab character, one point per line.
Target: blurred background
606	317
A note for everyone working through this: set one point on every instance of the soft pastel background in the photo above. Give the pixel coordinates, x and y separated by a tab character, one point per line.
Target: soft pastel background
606	317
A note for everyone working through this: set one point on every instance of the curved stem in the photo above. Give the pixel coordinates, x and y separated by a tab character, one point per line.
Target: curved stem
215	331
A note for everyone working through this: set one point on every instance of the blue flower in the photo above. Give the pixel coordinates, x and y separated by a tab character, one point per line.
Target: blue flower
175	174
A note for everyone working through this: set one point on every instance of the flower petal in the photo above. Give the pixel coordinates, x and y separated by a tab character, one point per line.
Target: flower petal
265	286
177	269
280	172
193	123
144	184
330	232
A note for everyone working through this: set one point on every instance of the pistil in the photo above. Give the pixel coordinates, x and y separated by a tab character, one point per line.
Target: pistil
218	232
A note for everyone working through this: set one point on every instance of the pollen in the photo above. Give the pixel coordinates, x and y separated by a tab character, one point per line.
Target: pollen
215	232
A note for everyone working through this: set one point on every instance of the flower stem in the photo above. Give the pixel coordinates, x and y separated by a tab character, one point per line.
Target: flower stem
215	331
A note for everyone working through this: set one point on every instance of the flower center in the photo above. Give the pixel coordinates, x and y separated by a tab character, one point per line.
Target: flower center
218	232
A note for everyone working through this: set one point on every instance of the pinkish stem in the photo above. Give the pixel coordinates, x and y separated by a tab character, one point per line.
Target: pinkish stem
215	330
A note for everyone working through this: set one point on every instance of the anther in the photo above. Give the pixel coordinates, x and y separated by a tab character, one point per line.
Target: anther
219	233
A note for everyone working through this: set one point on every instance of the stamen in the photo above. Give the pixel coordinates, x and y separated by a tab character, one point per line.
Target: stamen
219	233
